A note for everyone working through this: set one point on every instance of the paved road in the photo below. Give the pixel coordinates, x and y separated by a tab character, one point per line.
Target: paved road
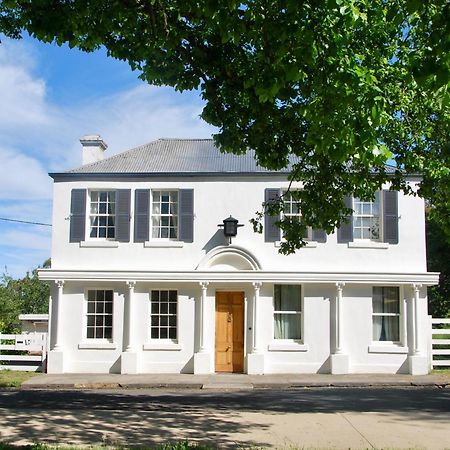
319	417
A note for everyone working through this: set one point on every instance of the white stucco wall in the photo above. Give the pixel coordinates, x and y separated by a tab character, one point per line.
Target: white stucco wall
215	200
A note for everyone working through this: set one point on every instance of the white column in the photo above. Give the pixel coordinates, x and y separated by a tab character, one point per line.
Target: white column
130	308
415	324
202	330
338	322
340	362
58	328
256	338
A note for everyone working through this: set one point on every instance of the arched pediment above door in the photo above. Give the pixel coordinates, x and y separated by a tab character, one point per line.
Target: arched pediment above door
228	258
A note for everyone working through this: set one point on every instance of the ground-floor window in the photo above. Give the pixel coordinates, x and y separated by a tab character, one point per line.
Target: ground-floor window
99	314
163	314
287	312
386	314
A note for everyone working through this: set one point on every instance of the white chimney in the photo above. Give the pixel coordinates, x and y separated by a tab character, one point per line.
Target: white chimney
93	148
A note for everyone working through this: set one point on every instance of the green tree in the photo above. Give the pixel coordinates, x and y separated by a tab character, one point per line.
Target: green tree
27	295
338	88
438	252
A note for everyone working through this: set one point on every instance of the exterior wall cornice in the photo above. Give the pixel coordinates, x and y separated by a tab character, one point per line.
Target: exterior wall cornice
251	276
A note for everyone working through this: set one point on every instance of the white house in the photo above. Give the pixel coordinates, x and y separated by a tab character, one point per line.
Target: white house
144	280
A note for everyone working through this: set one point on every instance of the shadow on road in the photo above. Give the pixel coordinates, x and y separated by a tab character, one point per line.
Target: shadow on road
137	418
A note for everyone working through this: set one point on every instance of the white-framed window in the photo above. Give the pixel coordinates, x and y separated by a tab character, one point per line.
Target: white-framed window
163	314
164	220
99	314
287	314
102	214
367	223
386	313
292	210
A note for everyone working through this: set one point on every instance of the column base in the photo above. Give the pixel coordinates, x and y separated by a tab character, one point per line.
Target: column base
129	363
418	365
202	363
340	364
55	361
255	364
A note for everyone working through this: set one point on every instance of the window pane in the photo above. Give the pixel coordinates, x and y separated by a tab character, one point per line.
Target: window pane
287	298
287	326
163	333
391	300
155	333
386	328
377	300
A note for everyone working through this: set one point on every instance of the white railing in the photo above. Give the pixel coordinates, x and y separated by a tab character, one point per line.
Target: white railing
440	342
35	346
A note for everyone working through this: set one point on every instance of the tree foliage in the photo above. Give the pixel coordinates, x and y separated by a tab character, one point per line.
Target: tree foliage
339	88
27	295
438	252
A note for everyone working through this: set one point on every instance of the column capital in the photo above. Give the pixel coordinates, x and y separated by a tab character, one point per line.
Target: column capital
59	283
131	284
340	285
417	287
257	285
204	284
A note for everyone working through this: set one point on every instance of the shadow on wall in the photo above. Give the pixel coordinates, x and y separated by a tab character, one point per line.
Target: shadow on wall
217	239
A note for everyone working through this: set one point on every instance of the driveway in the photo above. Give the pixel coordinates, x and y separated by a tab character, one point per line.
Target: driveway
315	417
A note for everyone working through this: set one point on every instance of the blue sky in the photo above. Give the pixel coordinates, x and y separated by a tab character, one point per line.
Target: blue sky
51	96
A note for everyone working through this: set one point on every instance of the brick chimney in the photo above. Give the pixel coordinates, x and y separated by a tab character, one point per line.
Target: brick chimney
93	148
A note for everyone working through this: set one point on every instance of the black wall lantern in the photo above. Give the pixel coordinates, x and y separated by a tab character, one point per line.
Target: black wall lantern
230	226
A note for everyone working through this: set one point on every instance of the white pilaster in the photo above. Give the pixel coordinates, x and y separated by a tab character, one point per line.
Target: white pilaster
202	359
339	360
55	357
58	328
130	308
255	361
418	362
129	358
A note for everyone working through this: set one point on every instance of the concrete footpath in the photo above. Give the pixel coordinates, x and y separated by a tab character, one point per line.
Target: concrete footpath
230	381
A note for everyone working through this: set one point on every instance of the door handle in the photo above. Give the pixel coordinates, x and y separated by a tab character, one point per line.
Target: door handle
228	348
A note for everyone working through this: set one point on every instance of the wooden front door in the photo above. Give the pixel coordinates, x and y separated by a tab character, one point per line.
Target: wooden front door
229	332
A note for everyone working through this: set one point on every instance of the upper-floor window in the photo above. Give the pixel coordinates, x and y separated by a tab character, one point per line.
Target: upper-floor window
292	211
287	313
386	314
366	219
164	214
102	214
371	220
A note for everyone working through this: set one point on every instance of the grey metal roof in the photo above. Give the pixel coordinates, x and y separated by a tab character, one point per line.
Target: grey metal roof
175	156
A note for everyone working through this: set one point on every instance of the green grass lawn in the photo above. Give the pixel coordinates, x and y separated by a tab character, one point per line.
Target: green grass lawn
14	379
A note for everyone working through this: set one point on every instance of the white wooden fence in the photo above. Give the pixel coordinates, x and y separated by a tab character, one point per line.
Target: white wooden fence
35	346
440	341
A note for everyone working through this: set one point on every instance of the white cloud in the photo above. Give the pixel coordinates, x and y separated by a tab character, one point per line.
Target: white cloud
40	136
23	96
22	177
34	239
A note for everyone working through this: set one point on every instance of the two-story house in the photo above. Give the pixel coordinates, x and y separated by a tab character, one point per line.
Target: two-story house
145	280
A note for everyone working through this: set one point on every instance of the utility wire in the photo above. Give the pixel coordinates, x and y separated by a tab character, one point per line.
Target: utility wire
25	221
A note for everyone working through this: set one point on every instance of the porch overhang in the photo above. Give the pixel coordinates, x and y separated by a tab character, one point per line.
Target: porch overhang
242	276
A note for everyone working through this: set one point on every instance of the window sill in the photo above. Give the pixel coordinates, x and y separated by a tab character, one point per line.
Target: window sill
97	345
99	244
387	348
163	346
368	244
309	244
287	347
163	244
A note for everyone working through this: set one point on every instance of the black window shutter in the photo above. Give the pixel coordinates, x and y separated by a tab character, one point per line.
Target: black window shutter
319	235
77	215
345	231
141	215
271	232
186	198
390	217
123	201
